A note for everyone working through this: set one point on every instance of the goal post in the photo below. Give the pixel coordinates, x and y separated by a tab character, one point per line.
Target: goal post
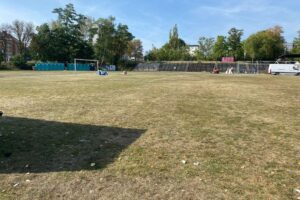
76	60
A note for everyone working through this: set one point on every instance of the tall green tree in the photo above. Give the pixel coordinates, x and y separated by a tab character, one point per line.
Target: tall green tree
69	18
43	44
174	50
206	46
265	45
135	49
235	47
220	48
70	25
174	41
105	35
112	40
122	39
63	38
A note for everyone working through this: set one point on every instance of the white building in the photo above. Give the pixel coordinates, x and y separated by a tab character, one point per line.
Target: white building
193	49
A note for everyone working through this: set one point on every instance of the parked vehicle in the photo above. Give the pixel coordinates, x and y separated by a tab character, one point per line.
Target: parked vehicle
283	66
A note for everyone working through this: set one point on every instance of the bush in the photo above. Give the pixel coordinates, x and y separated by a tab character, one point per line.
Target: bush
18	61
7	66
3	66
1	57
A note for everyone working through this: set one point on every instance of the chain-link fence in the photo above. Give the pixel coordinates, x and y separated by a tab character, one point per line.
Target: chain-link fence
238	67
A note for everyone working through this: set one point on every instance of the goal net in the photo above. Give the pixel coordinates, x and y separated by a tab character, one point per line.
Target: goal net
85	65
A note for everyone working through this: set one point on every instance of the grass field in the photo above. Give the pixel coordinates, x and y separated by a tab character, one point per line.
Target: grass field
80	136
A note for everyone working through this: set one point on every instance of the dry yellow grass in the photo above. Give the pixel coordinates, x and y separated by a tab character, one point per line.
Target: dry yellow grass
240	136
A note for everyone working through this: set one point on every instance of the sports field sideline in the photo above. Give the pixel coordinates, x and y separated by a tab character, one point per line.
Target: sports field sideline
149	136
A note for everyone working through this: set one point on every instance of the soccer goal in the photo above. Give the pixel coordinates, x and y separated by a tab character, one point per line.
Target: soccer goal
84	64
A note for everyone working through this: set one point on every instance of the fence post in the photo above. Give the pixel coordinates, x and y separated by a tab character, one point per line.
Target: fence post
238	67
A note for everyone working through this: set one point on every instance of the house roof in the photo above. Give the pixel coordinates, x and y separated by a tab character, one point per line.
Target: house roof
193	45
7	35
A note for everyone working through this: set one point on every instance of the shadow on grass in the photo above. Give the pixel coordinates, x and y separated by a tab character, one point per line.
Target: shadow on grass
30	145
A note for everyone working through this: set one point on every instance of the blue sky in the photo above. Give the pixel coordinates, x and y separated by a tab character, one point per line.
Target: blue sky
151	20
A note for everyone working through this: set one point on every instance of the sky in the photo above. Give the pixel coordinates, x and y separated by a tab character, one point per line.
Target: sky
151	20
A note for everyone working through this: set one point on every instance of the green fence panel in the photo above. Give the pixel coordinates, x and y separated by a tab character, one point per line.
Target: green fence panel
61	67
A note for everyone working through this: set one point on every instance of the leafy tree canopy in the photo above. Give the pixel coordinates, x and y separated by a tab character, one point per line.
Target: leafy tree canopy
206	47
174	50
234	44
220	48
112	40
265	45
63	40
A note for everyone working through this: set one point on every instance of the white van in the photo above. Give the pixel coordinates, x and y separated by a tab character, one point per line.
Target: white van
286	67
277	69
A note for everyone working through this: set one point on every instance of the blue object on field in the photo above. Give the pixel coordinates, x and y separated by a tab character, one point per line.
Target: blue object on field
102	73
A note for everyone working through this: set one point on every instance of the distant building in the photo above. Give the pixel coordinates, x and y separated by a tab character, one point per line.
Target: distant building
193	49
8	45
132	58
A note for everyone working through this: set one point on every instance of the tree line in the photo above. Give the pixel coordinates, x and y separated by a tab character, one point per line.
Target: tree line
73	35
268	44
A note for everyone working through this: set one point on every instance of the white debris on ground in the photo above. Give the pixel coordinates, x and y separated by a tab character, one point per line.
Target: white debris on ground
15	185
184	162
93	164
